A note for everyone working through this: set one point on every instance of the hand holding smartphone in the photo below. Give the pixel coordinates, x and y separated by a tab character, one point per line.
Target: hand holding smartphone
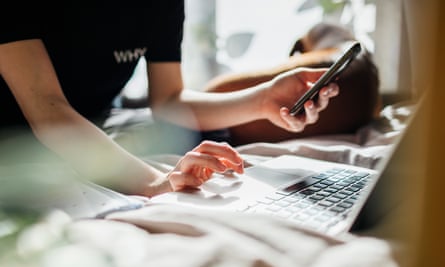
329	76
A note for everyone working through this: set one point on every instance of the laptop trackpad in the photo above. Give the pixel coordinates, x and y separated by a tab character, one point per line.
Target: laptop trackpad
277	178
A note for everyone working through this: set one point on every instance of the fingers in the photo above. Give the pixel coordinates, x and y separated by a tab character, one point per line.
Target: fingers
198	165
228	156
194	169
193	160
179	180
312	109
311	112
325	94
290	122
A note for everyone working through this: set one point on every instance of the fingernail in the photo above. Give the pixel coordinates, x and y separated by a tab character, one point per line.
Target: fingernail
240	169
327	92
222	168
311	106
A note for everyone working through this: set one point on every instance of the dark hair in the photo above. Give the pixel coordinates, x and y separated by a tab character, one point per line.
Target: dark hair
360	81
322	36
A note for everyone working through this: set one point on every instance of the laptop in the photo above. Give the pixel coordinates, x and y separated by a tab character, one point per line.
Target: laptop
323	196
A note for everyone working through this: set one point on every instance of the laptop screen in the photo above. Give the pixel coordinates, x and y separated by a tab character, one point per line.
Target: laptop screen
394	189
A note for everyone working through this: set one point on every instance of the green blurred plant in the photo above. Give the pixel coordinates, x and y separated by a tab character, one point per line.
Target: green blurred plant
330	6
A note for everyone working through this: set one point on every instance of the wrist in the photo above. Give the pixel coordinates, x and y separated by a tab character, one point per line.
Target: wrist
160	186
145	180
261	100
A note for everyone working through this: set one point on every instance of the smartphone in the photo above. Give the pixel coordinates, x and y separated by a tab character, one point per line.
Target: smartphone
329	76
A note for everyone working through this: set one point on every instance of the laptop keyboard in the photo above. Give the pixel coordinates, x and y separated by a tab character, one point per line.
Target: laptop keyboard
319	203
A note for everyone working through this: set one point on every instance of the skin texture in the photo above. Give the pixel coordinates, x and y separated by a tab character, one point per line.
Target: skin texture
358	101
29	73
210	111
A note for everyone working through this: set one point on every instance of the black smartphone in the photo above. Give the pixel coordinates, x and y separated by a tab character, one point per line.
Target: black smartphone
329	76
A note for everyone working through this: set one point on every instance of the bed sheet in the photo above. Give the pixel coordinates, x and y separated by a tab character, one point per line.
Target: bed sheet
364	148
166	235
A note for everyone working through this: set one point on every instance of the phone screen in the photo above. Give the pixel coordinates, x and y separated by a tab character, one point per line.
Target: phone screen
329	76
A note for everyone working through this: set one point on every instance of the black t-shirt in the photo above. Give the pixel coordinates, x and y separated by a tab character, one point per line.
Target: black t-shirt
94	48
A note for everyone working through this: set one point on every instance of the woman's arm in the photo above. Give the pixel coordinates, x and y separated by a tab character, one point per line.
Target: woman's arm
28	71
209	110
357	103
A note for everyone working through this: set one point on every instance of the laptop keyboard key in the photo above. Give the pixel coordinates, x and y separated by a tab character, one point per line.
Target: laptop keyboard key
318	202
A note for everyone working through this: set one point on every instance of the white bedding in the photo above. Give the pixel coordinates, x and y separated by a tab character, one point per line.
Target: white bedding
161	235
165	235
365	148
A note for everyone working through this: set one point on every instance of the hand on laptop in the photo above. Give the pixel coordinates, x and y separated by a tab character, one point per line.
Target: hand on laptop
286	89
198	165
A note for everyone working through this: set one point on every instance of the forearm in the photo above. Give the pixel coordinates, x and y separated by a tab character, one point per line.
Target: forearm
209	111
94	155
29	73
238	81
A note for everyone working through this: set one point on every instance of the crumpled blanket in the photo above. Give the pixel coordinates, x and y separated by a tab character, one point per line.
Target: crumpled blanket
365	148
166	235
